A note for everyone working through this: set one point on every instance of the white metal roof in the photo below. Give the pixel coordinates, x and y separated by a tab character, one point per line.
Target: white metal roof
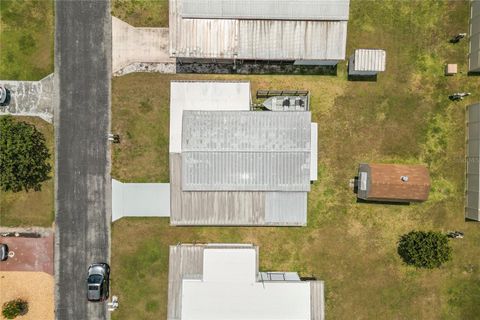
267	9
246	150
370	60
314	152
229	290
203	95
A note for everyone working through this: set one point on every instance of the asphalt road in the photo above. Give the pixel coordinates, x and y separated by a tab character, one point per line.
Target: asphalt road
82	123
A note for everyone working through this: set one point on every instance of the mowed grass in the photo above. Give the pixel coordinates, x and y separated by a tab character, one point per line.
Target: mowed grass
142	13
33	208
404	117
26	39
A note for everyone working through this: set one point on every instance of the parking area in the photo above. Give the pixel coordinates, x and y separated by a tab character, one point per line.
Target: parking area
28	253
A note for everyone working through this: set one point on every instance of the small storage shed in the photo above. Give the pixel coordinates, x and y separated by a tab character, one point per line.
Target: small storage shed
472	201
367	62
393	182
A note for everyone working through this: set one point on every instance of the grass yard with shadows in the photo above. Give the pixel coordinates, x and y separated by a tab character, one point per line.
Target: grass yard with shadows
33	208
26	35
404	117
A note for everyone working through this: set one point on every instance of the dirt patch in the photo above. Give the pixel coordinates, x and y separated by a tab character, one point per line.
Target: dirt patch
35	287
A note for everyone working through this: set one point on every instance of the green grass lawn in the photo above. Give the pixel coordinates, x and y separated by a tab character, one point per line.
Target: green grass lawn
33	208
26	39
142	13
404	117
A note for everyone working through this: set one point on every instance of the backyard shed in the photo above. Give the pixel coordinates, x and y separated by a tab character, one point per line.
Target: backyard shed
393	182
304	32
472	201
367	62
474	50
223	281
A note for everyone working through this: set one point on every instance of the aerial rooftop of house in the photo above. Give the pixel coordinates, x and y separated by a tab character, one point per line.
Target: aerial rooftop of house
285	30
230	165
472	202
210	282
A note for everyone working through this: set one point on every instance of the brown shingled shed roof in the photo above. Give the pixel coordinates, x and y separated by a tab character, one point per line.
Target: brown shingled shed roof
386	182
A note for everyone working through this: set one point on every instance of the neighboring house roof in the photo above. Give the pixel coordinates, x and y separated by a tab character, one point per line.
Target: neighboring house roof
267	9
384	182
474	54
262	30
246	151
223	282
472	201
369	60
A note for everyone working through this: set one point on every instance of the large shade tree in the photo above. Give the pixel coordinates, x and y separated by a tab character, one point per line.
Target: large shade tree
424	249
23	156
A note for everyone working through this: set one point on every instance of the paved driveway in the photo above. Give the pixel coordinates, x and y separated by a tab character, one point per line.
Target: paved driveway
82	123
29	254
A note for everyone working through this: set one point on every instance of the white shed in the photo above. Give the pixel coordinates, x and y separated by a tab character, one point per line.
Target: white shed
367	62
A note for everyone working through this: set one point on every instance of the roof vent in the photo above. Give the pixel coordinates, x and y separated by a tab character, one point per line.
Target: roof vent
404	178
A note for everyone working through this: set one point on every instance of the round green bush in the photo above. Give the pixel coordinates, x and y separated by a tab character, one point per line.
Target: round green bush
424	249
24	156
14	308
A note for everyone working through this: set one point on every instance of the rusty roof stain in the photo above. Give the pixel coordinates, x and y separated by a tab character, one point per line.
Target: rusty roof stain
386	182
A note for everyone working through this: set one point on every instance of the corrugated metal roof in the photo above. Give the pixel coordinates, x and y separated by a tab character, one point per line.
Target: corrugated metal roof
255	39
246	151
246	171
370	60
203	95
286	207
292	40
224	207
246	131
184	261
474	54
472	202
267	9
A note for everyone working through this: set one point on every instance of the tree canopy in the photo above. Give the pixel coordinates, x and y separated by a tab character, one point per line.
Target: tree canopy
23	156
424	249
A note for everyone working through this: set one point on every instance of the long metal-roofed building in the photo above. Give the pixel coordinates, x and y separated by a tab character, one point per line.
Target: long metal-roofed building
230	165
474	51
472	192
223	281
310	32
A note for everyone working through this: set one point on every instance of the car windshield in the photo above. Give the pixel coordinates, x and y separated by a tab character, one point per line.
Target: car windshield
95	278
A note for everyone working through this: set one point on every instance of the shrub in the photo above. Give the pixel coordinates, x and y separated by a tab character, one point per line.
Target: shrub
424	249
23	156
14	308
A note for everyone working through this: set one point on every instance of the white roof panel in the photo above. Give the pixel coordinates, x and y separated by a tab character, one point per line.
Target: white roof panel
229	265
267	9
203	95
370	60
